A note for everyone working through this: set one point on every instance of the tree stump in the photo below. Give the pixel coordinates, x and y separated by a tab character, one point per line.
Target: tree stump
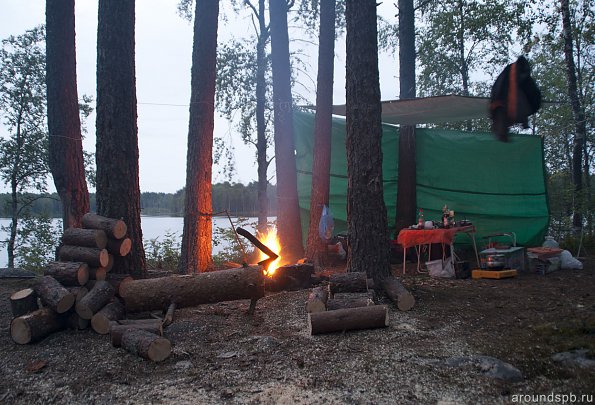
119	247
348	282
68	273
23	302
117	329
54	295
35	326
398	294
92	256
97	298
317	300
375	316
192	290
114	228
94	238
146	344
111	312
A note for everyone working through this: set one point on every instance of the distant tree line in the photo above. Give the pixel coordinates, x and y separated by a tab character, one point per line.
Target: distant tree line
236	198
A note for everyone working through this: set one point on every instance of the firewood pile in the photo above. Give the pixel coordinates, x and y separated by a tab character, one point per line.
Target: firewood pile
349	302
78	292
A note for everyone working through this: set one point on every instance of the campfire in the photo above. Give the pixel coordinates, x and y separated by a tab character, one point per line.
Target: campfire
270	240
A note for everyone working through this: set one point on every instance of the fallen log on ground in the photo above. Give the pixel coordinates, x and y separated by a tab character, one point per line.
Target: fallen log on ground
119	247
118	328
54	295
36	325
348	282
114	228
370	294
92	256
398	294
375	316
146	344
317	300
192	290
23	302
96	298
111	312
94	238
68	273
343	303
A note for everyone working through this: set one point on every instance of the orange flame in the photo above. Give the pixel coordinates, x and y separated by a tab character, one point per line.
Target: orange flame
271	241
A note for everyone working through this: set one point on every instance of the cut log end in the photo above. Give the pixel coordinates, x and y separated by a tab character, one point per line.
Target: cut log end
65	303
83	275
20	331
23	302
159	350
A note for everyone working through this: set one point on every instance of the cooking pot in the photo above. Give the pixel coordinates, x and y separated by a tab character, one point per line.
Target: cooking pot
496	261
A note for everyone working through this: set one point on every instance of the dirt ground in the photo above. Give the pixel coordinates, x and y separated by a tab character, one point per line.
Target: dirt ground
223	355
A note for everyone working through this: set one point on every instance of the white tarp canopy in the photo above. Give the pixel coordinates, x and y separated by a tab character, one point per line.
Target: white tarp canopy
430	110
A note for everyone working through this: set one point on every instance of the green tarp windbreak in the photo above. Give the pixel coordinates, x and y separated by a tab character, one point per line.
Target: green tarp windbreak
499	187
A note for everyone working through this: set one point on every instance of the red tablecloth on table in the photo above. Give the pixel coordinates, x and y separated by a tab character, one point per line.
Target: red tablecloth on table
413	237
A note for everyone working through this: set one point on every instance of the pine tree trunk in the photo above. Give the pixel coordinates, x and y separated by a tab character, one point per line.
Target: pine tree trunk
578	116
321	160
407	173
261	138
366	212
196	254
289	228
65	140
118	192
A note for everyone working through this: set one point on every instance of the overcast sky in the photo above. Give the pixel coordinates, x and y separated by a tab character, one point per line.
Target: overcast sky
163	61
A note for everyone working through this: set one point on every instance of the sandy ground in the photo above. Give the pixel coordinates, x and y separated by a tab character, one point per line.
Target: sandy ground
435	353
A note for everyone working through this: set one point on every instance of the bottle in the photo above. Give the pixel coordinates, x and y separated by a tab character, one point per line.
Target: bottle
420	219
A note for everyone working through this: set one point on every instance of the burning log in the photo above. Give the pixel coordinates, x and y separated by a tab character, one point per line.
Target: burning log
146	344
92	256
23	302
97	298
374	316
291	277
114	228
398	294
192	290
68	273
168	319
317	300
119	247
348	282
118	328
54	295
36	325
111	312
93	238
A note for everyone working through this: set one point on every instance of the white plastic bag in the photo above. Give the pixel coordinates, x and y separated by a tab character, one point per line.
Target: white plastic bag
441	269
569	262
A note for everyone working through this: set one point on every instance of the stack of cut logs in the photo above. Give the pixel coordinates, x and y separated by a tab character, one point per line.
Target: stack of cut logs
77	292
349	303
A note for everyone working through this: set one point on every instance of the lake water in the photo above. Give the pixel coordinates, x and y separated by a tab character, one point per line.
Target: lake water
156	228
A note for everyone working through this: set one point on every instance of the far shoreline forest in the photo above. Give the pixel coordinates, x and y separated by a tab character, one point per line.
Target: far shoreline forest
235	198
